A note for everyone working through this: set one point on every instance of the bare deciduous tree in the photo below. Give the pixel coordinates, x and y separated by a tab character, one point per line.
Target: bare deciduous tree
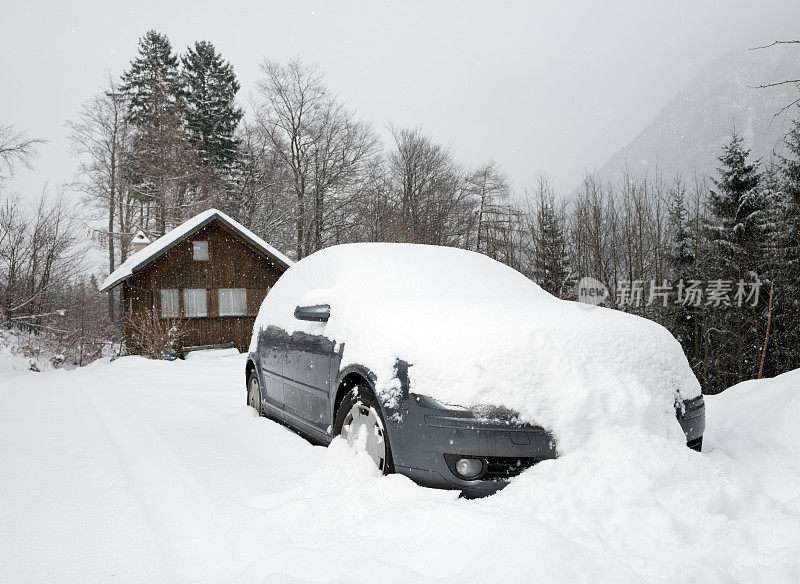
488	185
39	255
429	192
100	138
15	149
323	147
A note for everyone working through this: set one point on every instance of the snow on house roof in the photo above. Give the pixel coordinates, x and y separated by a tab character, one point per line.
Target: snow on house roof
143	257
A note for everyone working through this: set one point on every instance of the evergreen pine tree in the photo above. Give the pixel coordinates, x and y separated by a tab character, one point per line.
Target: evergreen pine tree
736	207
545	253
736	238
682	318
787	227
790	172
160	164
152	83
210	87
790	166
777	268
550	267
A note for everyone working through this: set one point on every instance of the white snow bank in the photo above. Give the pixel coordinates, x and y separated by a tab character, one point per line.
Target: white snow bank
758	423
12	363
477	332
144	255
143	470
25	353
628	506
203	354
668	513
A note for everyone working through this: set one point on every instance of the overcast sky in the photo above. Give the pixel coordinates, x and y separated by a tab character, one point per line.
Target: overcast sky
554	87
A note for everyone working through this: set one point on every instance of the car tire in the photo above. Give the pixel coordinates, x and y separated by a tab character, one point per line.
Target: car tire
361	404
254	392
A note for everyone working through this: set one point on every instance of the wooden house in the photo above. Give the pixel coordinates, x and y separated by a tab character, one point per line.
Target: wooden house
210	274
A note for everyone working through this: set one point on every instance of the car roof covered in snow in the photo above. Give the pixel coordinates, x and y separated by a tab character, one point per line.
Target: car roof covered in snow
476	332
154	250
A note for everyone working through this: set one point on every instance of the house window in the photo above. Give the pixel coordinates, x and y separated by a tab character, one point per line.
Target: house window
194	302
200	251
169	304
232	302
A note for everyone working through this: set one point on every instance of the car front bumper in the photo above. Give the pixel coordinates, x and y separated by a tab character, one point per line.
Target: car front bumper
423	437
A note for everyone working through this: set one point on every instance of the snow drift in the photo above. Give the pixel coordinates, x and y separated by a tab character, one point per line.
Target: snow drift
758	423
477	332
154	471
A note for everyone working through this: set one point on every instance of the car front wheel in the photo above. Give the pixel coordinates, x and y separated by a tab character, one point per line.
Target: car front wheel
254	392
360	422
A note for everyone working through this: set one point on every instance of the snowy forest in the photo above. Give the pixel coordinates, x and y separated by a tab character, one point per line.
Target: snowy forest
168	138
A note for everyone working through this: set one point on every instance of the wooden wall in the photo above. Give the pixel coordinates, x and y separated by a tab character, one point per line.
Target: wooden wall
232	263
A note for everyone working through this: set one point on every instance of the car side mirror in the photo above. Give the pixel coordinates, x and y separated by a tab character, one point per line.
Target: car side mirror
316	313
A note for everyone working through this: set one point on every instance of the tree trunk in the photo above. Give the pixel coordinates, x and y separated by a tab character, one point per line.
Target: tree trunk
112	197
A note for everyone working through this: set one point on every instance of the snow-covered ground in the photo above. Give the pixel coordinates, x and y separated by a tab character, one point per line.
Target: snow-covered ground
147	471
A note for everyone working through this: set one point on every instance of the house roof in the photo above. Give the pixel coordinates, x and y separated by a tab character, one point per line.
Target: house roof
146	255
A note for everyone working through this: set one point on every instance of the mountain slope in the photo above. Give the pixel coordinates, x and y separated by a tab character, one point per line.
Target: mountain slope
688	132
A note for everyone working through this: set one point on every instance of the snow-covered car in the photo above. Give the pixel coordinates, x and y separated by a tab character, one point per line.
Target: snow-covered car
454	369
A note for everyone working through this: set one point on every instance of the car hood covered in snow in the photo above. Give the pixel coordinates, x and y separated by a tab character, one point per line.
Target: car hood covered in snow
476	332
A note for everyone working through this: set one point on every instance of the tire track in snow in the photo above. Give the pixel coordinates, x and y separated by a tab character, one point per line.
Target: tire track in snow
66	510
195	542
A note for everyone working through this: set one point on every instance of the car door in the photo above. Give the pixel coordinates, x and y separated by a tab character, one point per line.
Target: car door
273	343
307	378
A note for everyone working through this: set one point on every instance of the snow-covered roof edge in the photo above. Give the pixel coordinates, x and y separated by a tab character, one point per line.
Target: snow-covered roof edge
185	229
